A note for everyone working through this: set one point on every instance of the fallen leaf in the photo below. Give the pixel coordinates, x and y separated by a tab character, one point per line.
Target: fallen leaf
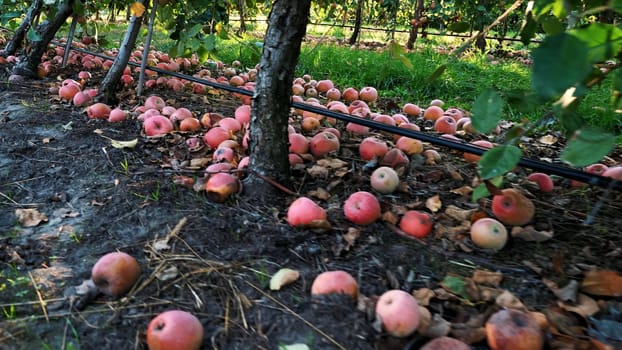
168	273
46	140
566	294
351	236
199	162
283	277
434	203
530	234
425	317
30	217
137	9
487	277
585	306
294	347
439	327
390	217
462	191
320	193
548	139
459	214
510	301
333	163
602	282
317	171
423	296
451	232
123	144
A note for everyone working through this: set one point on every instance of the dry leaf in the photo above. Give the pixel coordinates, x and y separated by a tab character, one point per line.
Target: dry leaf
468	334
451	232
317	171
462	191
438	327
137	9
585	306
510	301
283	277
530	234
333	163
390	217
568	293
423	296
320	193
351	236
168	273
124	144
487	277
434	203
425	317
46	140
548	139
602	282
30	217
199	162
459	214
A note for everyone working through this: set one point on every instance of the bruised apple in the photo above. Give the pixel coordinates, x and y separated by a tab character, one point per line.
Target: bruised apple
513	330
372	147
323	143
175	329
417	223
489	233
398	312
335	282
362	208
445	343
157	125
512	207
115	273
384	180
221	186
544	181
304	212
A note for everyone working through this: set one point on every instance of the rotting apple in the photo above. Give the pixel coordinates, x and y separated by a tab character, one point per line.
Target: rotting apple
510	329
190	124
445	124
323	143
433	113
384	180
511	207
98	111
175	329
472	157
157	125
417	223
395	158
372	148
335	282
115	273
221	186
398	312
362	208
368	94
489	233
411	110
409	146
445	343
298	143
544	181
304	212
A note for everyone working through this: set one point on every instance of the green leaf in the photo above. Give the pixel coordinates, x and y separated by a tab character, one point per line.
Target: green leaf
587	146
459	27
210	42
455	285
603	40
396	51
203	53
486	111
436	74
33	35
528	29
498	161
551	25
481	191
560	62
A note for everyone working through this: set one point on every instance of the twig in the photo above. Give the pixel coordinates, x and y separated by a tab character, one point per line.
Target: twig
285	307
275	184
39	296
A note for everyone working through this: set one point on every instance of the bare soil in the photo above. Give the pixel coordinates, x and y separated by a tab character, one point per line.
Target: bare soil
98	199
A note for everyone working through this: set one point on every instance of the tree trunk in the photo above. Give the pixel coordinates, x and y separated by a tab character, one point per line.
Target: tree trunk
111	15
272	99
412	37
18	38
357	22
109	85
28	66
242	22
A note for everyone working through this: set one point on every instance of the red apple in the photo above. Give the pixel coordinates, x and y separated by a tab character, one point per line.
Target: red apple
221	186
544	181
362	208
433	113
98	111
335	282
368	94
455	113
117	115
157	125
304	212
614	172
243	114
445	343
395	158
513	330
445	124
512	207
175	329
155	102
214	136
473	158
372	147
324	85
350	94
323	143
298	143
398	312
411	109
489	233
417	223
115	273
384	180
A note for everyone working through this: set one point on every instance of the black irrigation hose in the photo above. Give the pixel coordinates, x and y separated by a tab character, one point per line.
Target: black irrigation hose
552	169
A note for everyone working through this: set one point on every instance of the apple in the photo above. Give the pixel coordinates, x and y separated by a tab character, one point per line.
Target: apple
221	186
324	85
215	168
596	168
224	154
544	181
117	115
155	102
409	126
445	124
298	143
323	143
350	94
333	94
445	343
395	158
372	147
179	114
511	207
98	111
214	136
437	102
175	329
614	172
115	273
489	233
398	312
304	212
411	109
409	146
384	119
190	124
473	158
431	156
368	94
157	125
510	329
243	114
455	113
357	129
362	208
310	123
417	223
298	90
335	282
81	98
384	180
230	124
433	113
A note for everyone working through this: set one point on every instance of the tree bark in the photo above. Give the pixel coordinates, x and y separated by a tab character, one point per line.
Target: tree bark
28	66
108	88
272	98
412	36
242	28
357	22
18	38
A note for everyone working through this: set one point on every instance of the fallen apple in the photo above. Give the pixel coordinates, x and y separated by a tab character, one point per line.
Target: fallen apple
115	273
384	180
157	125
489	233
362	208
511	207
398	312
335	282
417	223
175	329
544	181
510	329
304	212
445	343
221	186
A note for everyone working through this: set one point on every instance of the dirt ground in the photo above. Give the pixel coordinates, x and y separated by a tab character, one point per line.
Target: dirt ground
97	198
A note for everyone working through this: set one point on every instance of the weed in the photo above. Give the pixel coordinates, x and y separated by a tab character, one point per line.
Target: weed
125	165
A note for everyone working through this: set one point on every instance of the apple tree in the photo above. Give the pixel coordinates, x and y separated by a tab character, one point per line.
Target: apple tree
20	34
272	98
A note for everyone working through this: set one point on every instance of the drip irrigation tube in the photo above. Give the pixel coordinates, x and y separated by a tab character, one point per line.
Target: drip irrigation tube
551	169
